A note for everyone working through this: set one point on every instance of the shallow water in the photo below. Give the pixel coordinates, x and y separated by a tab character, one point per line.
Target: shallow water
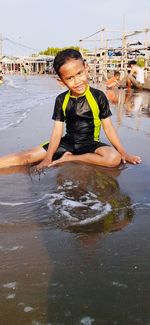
19	95
74	241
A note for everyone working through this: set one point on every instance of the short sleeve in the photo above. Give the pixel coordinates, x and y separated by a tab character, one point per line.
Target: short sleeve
58	114
104	106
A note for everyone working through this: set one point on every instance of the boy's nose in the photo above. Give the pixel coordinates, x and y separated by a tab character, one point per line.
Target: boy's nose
76	79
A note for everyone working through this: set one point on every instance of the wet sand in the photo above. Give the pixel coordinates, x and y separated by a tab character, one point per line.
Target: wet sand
75	242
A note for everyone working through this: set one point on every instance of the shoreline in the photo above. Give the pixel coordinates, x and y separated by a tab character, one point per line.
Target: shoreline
29	133
33	129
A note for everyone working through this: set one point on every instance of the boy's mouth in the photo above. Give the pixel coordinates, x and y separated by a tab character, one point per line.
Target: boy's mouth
80	88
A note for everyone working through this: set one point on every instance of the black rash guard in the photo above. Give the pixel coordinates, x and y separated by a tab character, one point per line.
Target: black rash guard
82	115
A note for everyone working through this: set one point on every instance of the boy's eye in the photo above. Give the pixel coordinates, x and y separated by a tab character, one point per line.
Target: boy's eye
72	78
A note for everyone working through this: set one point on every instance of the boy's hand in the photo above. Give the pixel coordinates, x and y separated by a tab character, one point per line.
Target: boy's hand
131	159
43	164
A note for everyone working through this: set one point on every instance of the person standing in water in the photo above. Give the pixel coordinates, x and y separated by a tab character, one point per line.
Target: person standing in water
84	109
1	77
136	76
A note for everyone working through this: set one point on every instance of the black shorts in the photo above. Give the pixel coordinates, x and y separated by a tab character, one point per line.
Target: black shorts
75	149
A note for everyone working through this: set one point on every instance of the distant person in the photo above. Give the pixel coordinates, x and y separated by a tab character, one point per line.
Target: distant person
25	69
1	77
84	109
135	78
114	81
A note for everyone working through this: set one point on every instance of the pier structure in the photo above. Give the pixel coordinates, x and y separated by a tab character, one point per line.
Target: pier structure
109	54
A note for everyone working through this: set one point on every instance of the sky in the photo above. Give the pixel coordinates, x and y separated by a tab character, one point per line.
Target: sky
39	24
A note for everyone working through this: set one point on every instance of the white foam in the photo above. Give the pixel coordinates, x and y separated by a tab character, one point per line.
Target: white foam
88	195
107	209
14	204
72	203
11	204
19	97
140	205
87	320
9	249
91	208
96	206
11	296
119	285
28	309
11	83
10	285
35	322
68	216
15	248
68	183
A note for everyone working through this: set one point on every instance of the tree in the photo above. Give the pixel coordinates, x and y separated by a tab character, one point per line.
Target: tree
55	50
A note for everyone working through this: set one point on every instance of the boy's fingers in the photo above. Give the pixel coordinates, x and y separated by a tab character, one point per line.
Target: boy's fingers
132	159
123	160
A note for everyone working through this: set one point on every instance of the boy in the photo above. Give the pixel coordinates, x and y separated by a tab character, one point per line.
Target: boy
83	109
136	76
113	82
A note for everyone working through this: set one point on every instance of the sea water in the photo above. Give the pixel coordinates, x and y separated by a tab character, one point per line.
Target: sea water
74	240
19	95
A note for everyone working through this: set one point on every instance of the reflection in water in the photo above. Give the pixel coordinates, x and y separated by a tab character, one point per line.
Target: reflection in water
79	198
131	103
132	100
88	200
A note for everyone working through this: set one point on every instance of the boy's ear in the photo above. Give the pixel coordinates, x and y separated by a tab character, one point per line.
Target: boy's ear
61	83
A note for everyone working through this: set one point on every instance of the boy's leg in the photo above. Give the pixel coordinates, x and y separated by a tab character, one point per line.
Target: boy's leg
134	82
23	158
129	83
103	156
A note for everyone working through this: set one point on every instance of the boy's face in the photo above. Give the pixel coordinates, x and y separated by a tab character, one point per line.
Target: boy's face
74	75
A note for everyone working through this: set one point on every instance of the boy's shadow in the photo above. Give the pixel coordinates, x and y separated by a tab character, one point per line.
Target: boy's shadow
89	205
87	198
90	200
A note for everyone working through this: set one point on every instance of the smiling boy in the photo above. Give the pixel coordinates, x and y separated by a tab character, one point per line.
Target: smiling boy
84	109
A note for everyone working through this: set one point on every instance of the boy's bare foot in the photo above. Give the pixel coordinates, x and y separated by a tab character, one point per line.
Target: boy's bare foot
64	158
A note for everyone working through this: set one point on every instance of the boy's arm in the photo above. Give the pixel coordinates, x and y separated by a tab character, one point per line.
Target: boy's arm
113	84
54	142
133	71
115	141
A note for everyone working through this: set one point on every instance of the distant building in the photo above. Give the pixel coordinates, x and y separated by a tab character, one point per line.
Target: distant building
40	64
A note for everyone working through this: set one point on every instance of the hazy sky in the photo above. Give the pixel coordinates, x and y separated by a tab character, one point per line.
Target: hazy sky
58	23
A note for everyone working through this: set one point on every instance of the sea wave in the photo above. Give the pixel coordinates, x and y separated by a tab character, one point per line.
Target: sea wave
19	96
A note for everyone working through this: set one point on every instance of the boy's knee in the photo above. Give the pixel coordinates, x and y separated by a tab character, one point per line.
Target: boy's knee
115	159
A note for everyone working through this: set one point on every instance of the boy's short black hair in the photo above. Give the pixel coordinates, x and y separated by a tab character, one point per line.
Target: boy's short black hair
132	62
116	73
65	55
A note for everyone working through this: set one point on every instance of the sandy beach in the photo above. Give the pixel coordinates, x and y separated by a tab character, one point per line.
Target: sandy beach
74	246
